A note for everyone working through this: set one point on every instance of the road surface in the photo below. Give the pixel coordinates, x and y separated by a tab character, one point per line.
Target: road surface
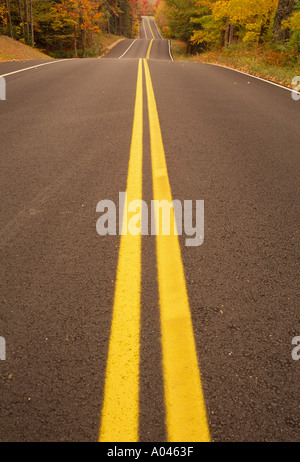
111	337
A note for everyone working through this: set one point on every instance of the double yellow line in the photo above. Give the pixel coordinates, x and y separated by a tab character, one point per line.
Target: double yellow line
184	401
150	28
151	42
149	49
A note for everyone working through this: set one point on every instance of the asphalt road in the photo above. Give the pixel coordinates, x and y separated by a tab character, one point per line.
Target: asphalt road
230	140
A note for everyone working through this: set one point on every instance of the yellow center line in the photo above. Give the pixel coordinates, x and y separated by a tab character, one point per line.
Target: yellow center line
149	49
120	412
150	28
185	407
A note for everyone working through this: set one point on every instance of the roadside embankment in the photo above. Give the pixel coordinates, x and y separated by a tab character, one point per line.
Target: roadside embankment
13	50
270	64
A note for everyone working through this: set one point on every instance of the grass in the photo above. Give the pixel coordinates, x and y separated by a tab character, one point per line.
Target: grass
267	63
13	50
179	50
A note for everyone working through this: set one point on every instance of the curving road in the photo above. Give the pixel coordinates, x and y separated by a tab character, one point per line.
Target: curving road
111	337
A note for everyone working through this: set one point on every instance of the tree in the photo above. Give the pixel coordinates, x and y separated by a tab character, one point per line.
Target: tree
26	19
31	23
179	13
223	21
292	25
21	18
57	26
82	15
161	16
283	13
9	18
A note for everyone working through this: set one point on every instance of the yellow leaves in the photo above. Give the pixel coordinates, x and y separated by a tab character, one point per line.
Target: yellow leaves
221	9
293	22
248	17
251	36
161	17
243	12
199	36
226	21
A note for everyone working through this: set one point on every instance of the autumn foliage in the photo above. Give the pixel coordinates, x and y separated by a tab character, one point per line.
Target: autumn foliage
69	27
204	24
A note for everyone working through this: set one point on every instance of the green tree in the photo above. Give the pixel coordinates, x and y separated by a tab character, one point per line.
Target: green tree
283	13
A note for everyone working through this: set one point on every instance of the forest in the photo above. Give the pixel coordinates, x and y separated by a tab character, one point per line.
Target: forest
207	24
68	28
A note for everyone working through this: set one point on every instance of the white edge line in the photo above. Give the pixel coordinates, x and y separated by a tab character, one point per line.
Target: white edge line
170	50
127	49
144	28
34	67
253	76
157	28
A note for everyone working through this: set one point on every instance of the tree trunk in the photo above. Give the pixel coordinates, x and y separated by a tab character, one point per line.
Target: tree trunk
11	33
26	20
75	42
31	24
226	40
231	33
83	41
222	38
21	18
284	11
120	25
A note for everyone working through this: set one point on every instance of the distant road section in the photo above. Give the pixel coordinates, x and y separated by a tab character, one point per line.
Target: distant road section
150	45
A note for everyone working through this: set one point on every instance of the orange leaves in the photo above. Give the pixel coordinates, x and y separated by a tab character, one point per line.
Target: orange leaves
3	14
83	13
206	3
